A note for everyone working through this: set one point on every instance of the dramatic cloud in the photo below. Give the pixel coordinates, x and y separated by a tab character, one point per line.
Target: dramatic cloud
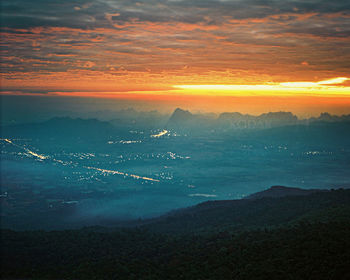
108	45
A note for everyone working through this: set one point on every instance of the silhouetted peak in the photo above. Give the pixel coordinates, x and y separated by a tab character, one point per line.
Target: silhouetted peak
325	114
224	116
279	116
73	121
180	115
327	117
280	191
179	111
280	188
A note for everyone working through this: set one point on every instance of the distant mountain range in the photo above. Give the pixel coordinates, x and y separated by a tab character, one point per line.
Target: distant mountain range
185	120
273	126
181	120
61	127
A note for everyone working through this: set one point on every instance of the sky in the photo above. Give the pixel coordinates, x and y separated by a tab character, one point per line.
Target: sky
275	53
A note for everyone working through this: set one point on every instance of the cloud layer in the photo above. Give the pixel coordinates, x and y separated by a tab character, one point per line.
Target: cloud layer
121	45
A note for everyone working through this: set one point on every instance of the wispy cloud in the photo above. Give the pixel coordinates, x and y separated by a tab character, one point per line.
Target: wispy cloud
117	43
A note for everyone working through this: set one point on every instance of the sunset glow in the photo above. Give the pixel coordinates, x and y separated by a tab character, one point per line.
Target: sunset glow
127	49
323	88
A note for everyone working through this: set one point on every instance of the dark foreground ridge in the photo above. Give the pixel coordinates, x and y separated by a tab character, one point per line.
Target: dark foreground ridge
281	191
277	206
289	237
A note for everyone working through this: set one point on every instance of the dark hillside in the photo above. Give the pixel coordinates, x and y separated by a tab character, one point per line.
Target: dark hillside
248	213
280	191
291	237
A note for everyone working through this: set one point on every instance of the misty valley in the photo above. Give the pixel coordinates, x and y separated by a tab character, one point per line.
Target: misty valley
69	172
175	140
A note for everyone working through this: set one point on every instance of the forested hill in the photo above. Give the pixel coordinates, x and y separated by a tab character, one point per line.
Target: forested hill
274	207
281	191
305	251
291	237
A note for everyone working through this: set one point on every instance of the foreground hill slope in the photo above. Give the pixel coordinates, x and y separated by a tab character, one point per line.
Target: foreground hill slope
315	246
274	207
281	191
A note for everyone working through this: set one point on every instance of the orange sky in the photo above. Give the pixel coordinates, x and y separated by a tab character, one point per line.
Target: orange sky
147	49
